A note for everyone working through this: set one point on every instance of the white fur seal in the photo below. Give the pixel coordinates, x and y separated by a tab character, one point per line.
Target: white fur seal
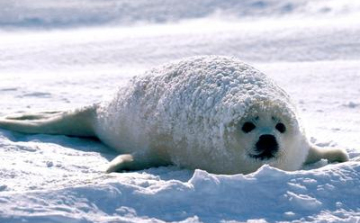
210	112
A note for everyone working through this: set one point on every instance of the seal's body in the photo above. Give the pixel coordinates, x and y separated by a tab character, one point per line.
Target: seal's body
213	113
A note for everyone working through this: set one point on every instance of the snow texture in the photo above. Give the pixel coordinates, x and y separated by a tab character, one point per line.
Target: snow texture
61	54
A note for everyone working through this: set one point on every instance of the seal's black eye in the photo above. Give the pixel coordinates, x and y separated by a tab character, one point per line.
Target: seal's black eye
280	127
248	127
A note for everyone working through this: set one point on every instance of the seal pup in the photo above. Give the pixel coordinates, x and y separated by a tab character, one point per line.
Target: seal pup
210	112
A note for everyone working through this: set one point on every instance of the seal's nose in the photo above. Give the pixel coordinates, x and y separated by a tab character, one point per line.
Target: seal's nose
267	144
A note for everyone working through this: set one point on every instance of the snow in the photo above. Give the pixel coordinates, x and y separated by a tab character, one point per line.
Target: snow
63	55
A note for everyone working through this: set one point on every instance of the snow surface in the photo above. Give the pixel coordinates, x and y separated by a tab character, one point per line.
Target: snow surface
64	54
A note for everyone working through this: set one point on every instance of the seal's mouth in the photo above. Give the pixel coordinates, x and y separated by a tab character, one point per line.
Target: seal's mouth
266	155
266	147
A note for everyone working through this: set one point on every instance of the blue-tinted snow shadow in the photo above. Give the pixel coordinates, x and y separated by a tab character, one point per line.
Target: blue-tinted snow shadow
94	145
269	194
81	144
169	173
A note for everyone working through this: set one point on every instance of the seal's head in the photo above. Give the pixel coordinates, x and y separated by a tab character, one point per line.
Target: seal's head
269	133
262	133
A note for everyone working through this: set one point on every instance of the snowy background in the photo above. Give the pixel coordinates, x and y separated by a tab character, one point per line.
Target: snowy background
63	54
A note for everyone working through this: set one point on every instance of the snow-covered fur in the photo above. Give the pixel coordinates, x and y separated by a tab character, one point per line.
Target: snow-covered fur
190	113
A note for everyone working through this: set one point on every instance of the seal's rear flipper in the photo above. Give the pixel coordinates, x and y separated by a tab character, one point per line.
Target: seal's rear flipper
73	123
33	116
331	154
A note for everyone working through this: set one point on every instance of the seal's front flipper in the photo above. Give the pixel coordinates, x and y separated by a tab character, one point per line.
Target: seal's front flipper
134	162
121	162
331	154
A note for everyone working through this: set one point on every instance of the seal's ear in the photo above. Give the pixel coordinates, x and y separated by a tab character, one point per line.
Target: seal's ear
331	154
